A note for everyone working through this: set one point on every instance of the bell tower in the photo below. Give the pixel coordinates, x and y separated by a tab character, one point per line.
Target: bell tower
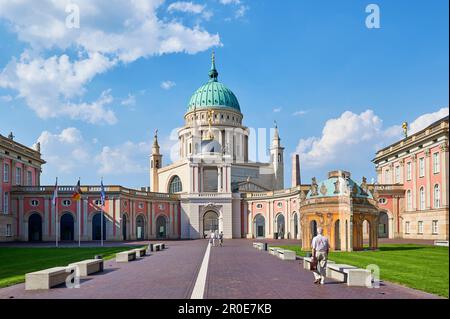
277	159
155	164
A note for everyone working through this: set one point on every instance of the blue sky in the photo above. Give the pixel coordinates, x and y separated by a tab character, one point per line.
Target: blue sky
337	89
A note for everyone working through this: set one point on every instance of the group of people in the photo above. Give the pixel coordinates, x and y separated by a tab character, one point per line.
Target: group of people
216	238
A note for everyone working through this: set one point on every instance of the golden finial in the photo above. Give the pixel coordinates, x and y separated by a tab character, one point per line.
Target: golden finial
405	128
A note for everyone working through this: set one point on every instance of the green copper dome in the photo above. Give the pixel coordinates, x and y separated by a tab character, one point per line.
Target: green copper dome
213	94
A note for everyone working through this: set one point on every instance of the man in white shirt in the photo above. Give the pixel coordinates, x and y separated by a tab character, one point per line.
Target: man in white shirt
320	248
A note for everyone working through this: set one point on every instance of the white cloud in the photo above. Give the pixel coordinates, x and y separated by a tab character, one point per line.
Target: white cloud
426	119
6	98
110	33
277	110
127	158
65	151
185	6
299	113
167	85
130	101
225	2
240	12
345	139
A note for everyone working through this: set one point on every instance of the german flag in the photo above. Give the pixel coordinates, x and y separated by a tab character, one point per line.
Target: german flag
77	193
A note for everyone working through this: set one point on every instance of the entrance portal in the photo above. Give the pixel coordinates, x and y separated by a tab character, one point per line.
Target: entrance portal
97	227
210	223
67	227
260	226
35	227
161	227
140	228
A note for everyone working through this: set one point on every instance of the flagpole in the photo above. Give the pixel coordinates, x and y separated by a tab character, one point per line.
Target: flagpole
56	211
79	220
101	221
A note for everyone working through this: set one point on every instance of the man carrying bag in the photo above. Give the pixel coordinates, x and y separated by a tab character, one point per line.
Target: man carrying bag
320	248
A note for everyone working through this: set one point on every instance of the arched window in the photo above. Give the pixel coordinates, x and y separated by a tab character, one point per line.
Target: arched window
175	185
422	198
437	196
409	200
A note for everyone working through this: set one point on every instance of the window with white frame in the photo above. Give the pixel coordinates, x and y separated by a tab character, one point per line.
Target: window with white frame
435	227
29	178
280	204
409	200
406	227
34	202
387	179
5	203
8	230
258	205
408	171
437	196
436	163
422	167
397	174
5	173
420	227
18	176
141	205
422	198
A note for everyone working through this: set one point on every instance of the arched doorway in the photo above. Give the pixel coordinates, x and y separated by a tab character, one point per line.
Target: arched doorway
35	227
295	226
366	233
67	226
97	227
124	227
383	226
140	228
313	229
337	235
161	227
210	223
260	223
280	226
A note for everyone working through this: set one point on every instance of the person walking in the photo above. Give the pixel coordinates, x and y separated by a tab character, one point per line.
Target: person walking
221	239
320	248
211	238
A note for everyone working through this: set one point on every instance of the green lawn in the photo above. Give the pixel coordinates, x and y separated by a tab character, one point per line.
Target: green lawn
416	266
16	262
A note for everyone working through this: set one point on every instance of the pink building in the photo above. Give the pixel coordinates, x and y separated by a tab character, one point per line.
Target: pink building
413	184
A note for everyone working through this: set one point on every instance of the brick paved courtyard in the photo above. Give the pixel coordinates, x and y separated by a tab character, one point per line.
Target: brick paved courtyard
236	270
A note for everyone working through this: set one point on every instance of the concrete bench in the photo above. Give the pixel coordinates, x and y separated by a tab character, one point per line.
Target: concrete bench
89	266
259	246
140	252
336	271
45	279
441	243
307	262
125	256
286	254
358	277
159	246
274	250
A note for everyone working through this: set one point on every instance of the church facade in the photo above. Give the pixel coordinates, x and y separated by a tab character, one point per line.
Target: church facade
213	186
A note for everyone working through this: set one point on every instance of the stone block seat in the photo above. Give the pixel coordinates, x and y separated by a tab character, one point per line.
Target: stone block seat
140	252
307	262
45	279
286	254
159	246
259	246
125	256
274	250
337	271
89	266
359	277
